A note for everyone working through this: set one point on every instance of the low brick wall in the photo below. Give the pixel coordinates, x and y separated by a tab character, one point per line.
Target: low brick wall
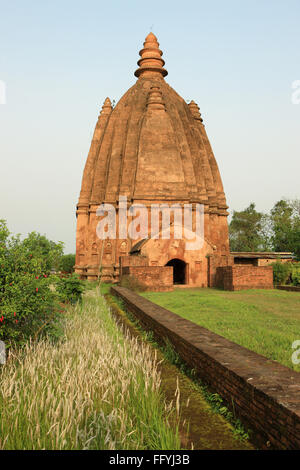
264	394
240	277
156	278
289	288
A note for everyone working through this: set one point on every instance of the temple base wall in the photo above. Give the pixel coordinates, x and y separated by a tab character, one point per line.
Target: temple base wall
244	277
154	278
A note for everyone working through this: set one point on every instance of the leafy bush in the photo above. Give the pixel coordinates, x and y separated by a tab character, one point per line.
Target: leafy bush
281	272
69	288
67	263
296	274
46	252
28	305
286	273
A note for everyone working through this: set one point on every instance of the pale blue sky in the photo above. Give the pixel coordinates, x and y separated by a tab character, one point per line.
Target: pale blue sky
60	59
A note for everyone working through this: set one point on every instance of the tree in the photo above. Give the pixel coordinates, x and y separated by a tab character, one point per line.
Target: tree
48	252
281	220
28	304
248	230
285	223
295	241
279	230
67	263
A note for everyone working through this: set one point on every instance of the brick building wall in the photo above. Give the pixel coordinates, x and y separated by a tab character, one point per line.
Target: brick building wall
132	260
240	277
156	278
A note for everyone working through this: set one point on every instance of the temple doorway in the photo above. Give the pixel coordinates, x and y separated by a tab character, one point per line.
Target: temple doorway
179	270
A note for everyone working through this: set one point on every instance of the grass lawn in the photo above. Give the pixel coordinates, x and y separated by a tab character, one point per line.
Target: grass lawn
265	321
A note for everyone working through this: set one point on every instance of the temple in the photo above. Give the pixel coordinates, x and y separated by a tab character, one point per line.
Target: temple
152	147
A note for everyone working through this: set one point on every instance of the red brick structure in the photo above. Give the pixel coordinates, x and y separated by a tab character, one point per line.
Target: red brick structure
261	258
152	147
244	277
154	278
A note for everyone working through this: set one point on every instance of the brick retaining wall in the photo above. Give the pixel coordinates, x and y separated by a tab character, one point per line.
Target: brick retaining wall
155	278
240	277
264	393
289	288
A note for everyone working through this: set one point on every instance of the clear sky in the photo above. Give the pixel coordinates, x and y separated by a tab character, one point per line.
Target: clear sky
60	59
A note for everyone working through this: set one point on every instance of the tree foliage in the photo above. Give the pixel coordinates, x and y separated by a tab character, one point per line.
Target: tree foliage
279	230
70	288
29	303
246	230
285	221
286	273
67	263
47	252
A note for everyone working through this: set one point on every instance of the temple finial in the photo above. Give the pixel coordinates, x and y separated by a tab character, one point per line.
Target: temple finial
195	110
151	62
155	100
106	108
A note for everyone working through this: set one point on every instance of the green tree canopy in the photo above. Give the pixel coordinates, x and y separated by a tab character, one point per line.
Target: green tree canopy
248	230
285	225
47	251
279	230
67	263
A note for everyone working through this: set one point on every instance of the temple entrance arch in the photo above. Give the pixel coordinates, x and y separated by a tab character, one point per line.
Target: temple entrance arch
179	270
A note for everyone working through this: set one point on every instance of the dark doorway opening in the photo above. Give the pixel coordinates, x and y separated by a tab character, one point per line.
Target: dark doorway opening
179	270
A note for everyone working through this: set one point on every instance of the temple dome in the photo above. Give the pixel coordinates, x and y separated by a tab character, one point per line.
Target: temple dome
152	146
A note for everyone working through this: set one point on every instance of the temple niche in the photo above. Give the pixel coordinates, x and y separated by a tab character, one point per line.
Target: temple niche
152	147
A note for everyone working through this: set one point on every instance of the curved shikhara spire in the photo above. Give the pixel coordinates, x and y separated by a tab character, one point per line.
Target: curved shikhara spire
151	147
151	62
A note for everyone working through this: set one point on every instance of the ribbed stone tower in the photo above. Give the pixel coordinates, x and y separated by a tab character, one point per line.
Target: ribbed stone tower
153	148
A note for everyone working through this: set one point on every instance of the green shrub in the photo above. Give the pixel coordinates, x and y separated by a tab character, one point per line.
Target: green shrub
281	272
28	305
46	252
286	273
69	288
296	274
67	263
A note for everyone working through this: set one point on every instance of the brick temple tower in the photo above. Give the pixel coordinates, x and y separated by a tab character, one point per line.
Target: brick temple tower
152	147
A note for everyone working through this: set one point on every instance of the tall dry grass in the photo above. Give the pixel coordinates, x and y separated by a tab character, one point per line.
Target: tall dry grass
94	389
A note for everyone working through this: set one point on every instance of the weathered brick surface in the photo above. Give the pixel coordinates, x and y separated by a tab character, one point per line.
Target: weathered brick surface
128	260
157	278
153	148
238	277
265	394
